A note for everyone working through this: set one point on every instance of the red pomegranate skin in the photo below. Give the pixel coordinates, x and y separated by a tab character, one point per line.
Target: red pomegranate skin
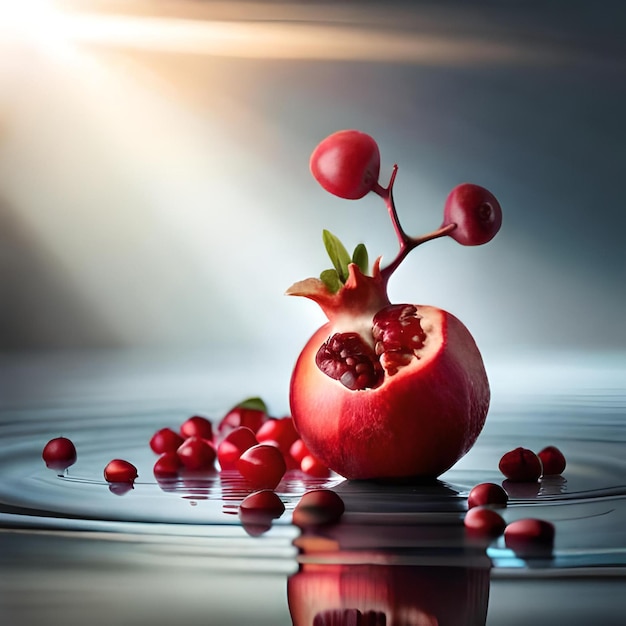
419	422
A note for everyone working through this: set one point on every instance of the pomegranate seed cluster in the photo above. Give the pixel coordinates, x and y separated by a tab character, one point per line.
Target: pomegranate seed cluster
528	537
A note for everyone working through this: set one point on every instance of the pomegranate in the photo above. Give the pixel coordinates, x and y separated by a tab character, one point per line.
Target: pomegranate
388	390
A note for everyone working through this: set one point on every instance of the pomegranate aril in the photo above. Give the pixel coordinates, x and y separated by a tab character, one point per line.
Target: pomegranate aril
168	464
59	453
298	450
282	431
346	357
165	440
318	507
263	466
233	446
530	537
484	521
487	494
120	471
521	465
314	467
251	418
197	454
197	426
264	500
553	461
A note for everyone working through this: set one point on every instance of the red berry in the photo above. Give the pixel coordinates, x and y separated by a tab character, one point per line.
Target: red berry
196	454
346	164
197	426
553	461
282	431
120	471
298	450
263	466
167	464
165	440
241	416
476	213
521	465
234	445
59	453
265	500
484	521
317	507
530	537
314	467
487	494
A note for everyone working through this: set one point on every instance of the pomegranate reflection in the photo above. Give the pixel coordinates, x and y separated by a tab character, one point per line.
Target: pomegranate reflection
390	569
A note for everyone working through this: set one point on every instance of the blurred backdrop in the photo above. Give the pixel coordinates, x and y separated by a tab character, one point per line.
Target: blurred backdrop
154	181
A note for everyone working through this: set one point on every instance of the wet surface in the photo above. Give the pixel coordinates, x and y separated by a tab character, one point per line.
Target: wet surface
75	550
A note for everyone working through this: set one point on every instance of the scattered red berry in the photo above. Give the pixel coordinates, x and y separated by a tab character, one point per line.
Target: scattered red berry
282	431
168	464
314	467
265	500
521	465
59	453
298	450
484	521
476	213
241	415
165	440
553	461
120	471
196	454
263	466
233	446
197	426
346	164
318	507
530	537
487	494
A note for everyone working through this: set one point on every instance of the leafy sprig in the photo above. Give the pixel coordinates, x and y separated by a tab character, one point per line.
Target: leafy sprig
337	276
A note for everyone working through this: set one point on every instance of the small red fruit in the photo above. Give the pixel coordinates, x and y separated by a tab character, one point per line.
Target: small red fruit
346	164
168	464
59	453
476	213
314	467
259	510
233	446
282	431
196	454
165	440
242	415
484	521
553	461
298	450
263	466
120	471
197	426
530	537
318	507
521	465
487	494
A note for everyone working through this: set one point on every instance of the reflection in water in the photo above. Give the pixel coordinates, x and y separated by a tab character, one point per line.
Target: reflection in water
370	570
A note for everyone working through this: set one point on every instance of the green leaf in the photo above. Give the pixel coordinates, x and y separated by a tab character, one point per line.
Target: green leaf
338	254
331	279
253	403
361	258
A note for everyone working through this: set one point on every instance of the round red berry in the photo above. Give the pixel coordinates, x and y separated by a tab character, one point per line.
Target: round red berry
521	465
484	521
281	431
314	467
168	464
553	461
197	426
196	454
233	446
241	416
298	450
263	466
318	507
59	453
346	164
165	440
487	494
530	537
264	500
120	471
